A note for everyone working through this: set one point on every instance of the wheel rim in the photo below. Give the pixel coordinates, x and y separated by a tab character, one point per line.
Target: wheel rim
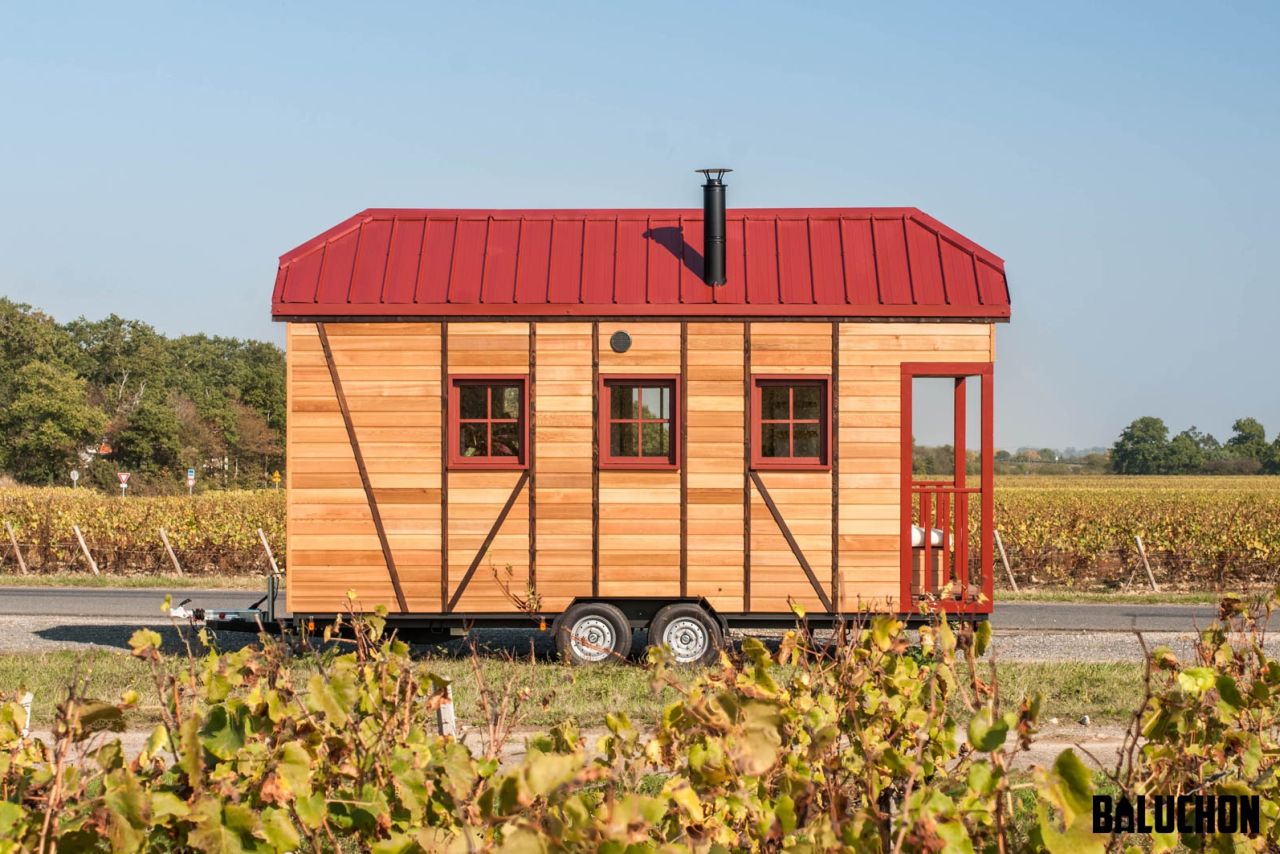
592	639
688	639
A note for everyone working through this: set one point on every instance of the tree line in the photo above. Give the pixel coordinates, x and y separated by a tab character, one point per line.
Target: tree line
1144	447
110	395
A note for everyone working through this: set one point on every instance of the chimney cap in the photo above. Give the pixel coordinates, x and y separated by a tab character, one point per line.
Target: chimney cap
714	175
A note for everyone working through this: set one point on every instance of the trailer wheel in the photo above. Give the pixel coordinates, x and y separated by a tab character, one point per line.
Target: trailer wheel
692	635
593	632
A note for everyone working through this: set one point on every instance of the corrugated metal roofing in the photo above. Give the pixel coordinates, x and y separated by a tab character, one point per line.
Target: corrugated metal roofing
845	262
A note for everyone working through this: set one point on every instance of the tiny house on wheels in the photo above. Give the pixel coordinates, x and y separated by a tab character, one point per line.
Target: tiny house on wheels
679	420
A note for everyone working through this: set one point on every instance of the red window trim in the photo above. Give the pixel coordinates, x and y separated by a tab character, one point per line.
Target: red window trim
456	459
607	461
758	461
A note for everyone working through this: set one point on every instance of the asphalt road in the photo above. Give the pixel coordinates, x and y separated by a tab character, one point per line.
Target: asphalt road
1013	616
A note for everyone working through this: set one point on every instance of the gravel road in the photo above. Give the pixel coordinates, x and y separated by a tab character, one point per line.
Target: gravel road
1030	616
33	618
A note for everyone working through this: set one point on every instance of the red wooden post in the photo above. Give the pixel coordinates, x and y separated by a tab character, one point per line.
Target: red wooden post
926	522
958	477
904	537
944	523
988	482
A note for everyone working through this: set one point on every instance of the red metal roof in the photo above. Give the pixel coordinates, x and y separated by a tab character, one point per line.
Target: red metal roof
845	262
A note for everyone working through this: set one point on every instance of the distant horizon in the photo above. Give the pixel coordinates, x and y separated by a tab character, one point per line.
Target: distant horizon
932	433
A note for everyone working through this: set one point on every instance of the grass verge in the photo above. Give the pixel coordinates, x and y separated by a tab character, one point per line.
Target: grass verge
1149	597
552	691
159	582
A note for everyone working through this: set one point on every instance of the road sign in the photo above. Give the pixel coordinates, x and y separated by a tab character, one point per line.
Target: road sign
191	474
75	475
275	478
123	477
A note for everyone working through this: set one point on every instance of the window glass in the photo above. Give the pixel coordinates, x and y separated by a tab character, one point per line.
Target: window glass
791	420
806	441
622	403
775	440
623	442
639	420
505	440
506	400
653	403
488	426
473	401
776	402
475	440
807	402
656	440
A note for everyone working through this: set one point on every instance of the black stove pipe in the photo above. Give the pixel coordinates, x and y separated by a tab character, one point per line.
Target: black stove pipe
713	227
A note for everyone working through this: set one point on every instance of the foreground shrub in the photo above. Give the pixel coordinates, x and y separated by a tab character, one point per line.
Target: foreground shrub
861	742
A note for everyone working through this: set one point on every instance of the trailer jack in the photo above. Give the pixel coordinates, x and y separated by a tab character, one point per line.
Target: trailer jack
254	619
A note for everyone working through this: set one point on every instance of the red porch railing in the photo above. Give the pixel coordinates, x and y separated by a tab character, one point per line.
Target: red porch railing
941	565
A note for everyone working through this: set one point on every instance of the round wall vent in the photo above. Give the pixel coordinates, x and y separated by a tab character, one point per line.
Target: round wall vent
620	342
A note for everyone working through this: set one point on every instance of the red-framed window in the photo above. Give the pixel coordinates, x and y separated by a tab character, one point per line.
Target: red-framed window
488	423
639	422
791	422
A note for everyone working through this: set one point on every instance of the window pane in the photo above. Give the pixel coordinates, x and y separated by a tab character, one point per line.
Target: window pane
473	401
775	440
656	402
622	401
657	440
506	401
808	402
623	440
807	440
774	402
474	440
506	441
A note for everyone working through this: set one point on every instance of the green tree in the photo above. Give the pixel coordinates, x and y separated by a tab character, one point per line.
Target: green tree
48	422
1143	448
121	359
1250	439
27	336
1186	455
1272	463
149	441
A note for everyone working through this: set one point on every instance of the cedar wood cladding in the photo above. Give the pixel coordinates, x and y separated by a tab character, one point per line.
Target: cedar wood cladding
643	533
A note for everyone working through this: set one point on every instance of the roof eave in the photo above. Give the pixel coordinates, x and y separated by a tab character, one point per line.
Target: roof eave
293	312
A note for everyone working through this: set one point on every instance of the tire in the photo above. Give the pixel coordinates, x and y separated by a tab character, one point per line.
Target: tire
593	633
692	635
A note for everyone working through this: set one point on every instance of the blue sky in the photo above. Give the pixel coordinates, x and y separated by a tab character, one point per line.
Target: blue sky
157	158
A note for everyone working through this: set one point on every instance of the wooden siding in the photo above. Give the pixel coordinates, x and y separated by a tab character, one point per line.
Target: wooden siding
477	497
715	479
639	510
802	497
563	439
871	355
391	375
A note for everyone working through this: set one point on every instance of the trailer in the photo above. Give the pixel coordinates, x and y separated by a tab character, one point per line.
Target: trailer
608	420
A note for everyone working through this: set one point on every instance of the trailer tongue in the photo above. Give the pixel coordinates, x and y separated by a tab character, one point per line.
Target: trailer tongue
260	616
